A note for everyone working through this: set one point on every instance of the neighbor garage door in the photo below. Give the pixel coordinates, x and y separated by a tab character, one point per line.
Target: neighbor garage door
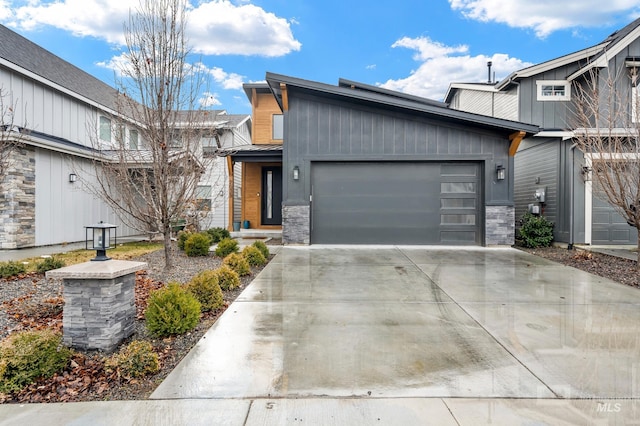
396	203
609	227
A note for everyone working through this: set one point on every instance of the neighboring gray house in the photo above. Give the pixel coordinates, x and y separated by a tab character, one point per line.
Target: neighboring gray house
363	164
548	161
62	112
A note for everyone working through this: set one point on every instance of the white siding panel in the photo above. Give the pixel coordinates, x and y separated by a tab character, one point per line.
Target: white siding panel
63	209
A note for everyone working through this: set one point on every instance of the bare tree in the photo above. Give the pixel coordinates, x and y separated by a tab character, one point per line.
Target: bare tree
154	162
607	124
11	135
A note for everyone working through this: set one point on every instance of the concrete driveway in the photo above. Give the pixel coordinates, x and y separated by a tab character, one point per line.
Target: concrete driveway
454	325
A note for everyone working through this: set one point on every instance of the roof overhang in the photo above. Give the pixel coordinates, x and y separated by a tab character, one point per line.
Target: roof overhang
398	101
267	153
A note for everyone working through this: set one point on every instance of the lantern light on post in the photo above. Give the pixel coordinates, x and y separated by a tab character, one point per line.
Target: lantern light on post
500	172
99	237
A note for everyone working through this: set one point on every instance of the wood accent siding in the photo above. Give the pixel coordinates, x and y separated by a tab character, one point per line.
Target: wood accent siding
264	107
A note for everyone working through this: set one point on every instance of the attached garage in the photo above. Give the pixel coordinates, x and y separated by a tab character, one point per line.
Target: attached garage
366	165
396	203
608	227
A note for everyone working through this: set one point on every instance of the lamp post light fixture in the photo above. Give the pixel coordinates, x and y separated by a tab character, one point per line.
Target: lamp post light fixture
98	237
500	172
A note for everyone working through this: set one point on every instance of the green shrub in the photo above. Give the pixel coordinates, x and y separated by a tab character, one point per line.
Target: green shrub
205	288
228	279
536	231
11	269
29	355
182	238
253	256
238	263
172	310
260	245
226	246
218	234
49	263
137	359
197	245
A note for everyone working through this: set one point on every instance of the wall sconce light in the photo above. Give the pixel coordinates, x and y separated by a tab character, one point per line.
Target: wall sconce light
500	172
73	177
98	237
296	173
587	173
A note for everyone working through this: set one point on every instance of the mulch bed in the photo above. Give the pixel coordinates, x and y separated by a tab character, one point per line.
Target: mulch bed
32	302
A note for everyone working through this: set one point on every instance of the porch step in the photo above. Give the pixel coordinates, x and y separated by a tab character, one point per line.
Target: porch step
257	233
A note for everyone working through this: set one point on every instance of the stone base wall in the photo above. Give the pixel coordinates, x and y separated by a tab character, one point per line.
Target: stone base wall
18	201
98	313
296	225
500	222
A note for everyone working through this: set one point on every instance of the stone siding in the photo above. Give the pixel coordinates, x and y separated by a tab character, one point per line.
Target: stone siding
295	225
18	201
98	313
500	225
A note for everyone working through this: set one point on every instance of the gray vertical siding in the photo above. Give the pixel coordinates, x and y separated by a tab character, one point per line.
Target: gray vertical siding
320	130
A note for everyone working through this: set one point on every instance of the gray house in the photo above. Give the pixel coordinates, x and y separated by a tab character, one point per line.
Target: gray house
361	164
552	176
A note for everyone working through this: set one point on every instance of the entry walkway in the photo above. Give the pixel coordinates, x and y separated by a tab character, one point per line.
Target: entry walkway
400	335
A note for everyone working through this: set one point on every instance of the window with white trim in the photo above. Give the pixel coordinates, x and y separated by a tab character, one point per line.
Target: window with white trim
203	197
104	131
554	90
133	139
277	122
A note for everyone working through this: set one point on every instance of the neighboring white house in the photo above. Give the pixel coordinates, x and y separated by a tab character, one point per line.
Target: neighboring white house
60	112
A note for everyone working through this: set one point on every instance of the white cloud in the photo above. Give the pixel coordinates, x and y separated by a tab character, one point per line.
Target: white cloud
546	16
215	27
209	99
441	65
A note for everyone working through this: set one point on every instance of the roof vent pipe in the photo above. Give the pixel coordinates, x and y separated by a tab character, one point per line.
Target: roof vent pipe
489	71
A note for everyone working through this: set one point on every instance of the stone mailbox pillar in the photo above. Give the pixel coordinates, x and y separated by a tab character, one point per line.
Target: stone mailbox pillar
99	303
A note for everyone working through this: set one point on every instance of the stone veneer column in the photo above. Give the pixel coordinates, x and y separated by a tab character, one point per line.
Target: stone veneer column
99	303
295	225
500	222
18	201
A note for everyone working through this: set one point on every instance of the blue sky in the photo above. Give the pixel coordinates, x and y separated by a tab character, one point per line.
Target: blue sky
414	46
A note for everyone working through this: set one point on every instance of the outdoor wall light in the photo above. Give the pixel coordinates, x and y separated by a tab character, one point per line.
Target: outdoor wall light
73	177
587	173
296	173
98	237
500	172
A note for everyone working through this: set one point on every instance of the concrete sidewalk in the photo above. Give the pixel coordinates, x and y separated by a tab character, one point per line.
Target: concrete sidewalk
400	335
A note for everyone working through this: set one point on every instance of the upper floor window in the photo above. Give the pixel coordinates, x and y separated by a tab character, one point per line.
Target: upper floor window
133	139
105	129
554	90
277	126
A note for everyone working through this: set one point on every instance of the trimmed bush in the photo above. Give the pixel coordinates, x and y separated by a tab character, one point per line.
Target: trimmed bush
238	263
137	359
226	246
228	279
11	269
172	310
29	355
260	245
197	245
218	234
182	238
205	288
49	263
536	231
253	256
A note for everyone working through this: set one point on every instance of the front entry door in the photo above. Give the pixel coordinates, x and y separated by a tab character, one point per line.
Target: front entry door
272	195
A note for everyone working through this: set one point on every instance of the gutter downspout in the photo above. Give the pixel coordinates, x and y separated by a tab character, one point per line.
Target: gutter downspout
571	195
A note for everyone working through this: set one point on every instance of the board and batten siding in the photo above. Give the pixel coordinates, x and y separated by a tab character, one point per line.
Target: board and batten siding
46	110
537	166
317	129
63	208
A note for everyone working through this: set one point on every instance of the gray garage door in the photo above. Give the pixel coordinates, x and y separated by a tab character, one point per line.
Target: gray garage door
396	203
608	227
